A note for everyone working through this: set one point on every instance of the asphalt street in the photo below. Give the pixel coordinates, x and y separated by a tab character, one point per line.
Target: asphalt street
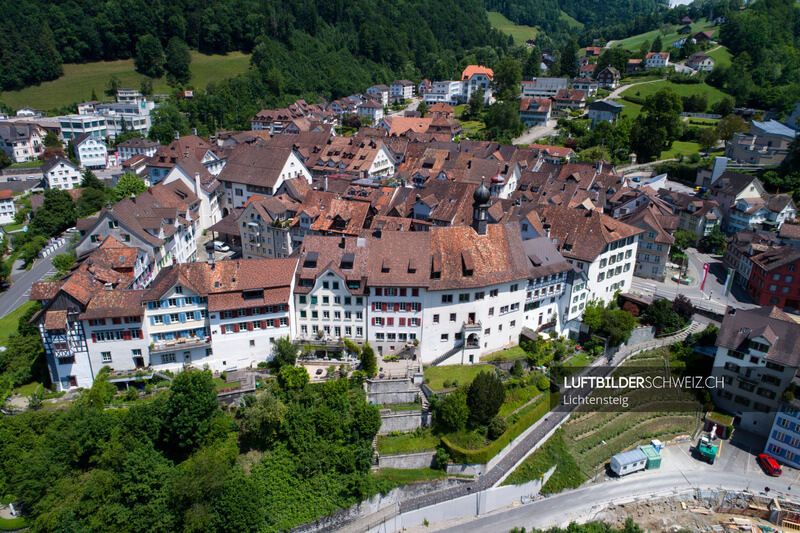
20	289
710	297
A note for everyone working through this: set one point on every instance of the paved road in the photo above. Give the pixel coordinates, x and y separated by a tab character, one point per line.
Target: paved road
537	132
711	297
19	291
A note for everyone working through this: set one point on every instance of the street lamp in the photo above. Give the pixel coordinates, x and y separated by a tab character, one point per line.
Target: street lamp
597	468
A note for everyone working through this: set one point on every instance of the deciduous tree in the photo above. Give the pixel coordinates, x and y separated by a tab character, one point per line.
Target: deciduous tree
149	59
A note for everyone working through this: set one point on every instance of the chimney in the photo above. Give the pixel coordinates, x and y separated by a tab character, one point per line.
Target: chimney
342	243
210	254
600	167
197	183
177	135
194	132
325	184
109	286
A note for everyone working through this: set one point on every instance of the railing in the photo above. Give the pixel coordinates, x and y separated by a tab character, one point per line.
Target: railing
449	353
190	342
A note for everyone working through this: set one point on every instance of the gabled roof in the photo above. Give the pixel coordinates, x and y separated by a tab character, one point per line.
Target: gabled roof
48	165
472	70
582	234
776	258
255	165
742	325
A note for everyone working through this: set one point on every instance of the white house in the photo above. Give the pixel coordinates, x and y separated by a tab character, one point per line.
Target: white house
700	62
476	77
21	141
756	361
7	207
59	173
382	92
371	109
448	92
401	90
137	146
204	185
258	170
91	152
656	60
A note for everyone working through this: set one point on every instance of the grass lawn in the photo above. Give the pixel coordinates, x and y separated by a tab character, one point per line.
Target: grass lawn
407	477
722	57
400	407
517	398
681	89
571	21
680	148
13	524
635	43
472	127
8	324
631	110
459	110
579	360
13	227
27	164
505	355
435	376
27	390
411	442
519	33
220	384
78	80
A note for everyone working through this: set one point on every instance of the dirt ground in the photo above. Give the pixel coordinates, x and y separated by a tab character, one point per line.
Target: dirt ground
675	515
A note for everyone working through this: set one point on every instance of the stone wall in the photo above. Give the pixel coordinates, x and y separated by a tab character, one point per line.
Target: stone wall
407	461
403	420
391	391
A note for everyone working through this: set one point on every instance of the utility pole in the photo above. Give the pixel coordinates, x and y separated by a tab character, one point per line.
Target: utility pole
597	468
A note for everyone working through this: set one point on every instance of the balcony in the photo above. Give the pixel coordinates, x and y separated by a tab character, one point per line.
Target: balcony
185	343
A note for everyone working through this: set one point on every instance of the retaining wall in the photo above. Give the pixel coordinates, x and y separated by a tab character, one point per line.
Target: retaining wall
407	461
403	420
642	334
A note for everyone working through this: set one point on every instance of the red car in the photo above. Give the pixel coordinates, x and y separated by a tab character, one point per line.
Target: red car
770	465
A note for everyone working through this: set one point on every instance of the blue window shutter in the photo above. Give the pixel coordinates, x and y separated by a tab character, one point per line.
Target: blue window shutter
198	315
166	319
152	321
183	317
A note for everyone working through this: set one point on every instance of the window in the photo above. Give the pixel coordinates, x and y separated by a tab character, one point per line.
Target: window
168	358
452	317
445	337
447	298
493	293
435	319
463	297
302	299
776	277
105	357
479	295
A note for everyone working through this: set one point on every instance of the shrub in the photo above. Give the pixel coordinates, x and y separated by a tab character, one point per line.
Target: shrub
441	459
484	398
543	384
497	427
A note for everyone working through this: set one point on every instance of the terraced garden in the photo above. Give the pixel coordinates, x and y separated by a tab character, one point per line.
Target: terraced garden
647	415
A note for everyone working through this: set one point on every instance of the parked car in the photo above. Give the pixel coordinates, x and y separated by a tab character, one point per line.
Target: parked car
636	179
770	465
221	246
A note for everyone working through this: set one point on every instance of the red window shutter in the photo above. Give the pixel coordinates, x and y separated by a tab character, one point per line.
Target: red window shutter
396	307
276	323
374	304
414	292
248	311
116	320
236	328
94	338
373	323
408	306
139	333
126	335
263	324
402	292
402	321
390	321
378	291
385	306
222	330
249	326
102	321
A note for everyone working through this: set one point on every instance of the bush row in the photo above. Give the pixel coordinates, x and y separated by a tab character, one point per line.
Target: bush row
526	419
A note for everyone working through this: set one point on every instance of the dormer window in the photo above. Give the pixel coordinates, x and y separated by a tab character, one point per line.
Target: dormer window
760	347
311	260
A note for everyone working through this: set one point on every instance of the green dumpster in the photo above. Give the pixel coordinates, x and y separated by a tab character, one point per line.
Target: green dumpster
653	457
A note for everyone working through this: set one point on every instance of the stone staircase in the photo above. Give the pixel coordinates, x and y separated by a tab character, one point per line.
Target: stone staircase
448	354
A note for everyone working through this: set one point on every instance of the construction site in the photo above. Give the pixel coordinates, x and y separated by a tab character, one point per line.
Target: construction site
707	510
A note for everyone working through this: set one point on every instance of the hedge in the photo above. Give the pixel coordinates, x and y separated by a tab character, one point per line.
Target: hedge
483	455
13	524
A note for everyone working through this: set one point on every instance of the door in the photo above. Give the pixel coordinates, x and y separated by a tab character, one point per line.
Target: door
187	358
472	318
138	362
